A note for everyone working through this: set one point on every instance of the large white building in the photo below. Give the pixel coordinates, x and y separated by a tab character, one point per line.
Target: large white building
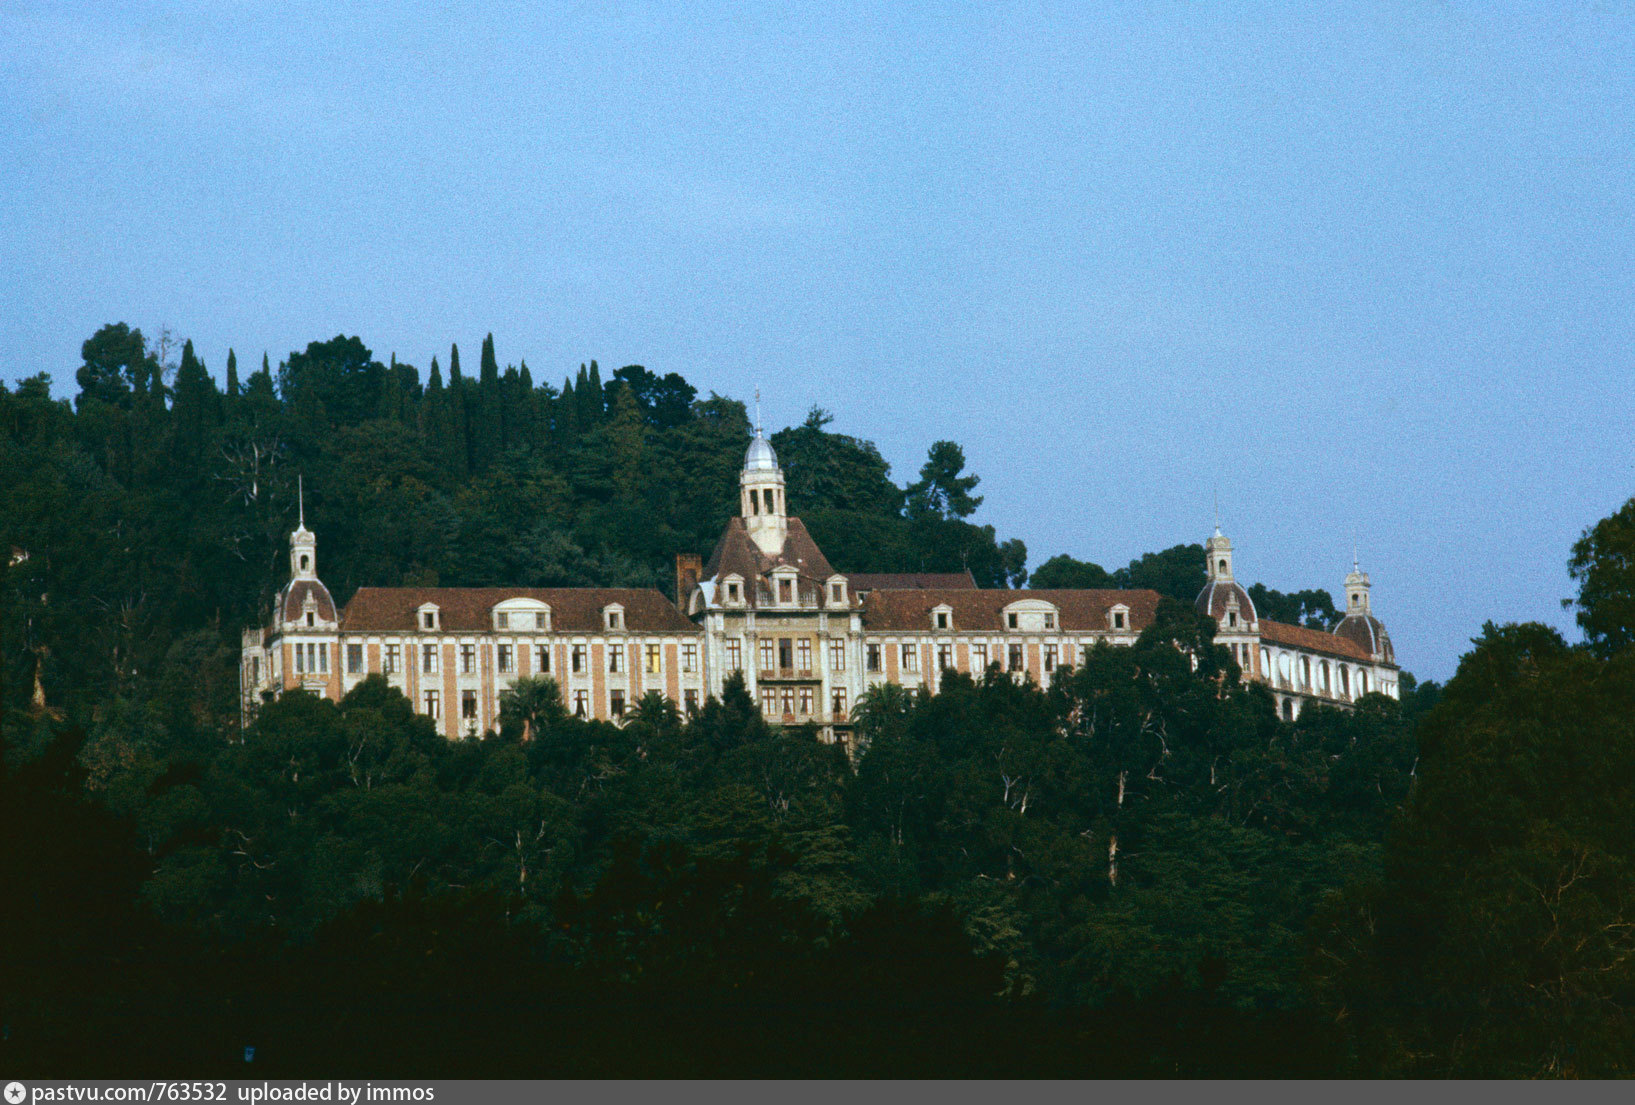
808	640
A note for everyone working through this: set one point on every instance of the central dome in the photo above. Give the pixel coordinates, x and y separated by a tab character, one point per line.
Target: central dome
760	457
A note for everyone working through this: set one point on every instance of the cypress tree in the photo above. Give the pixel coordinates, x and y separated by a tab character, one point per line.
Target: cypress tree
232	375
487	420
565	415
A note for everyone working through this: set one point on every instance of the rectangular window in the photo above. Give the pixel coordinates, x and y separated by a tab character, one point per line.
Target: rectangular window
806	701
300	658
1050	657
1118	619
394	659
689	656
945	657
788	698
786	590
1050	621
735	655
786	653
690	698
768	654
468	659
837	655
581	703
1016	658
615	657
255	670
434	709
428	620
428	659
616	702
942	619
652	659
837	704
323	657
354	659
578	659
502	621
803	654
732	592
507	658
874	657
836	590
1010	620
911	657
979	658
539	619
769	701
542	659
468	705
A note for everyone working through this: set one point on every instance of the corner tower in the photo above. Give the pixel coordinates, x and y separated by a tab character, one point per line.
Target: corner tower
1359	625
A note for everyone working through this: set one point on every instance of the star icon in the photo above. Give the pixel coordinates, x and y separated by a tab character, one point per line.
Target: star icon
15	1092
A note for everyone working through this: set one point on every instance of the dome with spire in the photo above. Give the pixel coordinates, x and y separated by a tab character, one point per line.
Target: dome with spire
1367	633
760	457
1223	598
1359	626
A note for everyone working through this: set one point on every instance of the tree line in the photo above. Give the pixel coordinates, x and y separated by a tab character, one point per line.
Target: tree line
1139	871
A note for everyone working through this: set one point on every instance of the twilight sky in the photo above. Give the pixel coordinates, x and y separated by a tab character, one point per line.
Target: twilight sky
1365	269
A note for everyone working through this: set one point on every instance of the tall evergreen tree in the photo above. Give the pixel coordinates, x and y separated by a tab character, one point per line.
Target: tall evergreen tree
232	375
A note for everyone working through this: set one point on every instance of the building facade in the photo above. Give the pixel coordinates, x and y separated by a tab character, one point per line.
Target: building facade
808	640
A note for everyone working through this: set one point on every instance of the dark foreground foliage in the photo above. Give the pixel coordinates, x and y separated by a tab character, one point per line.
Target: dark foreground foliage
1141	871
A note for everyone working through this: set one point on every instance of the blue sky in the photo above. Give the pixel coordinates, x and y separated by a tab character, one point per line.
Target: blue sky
1366	270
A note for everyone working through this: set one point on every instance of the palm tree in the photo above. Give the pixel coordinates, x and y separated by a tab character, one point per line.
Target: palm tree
534	702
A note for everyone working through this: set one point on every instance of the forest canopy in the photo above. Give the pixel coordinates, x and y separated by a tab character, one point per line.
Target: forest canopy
1141	870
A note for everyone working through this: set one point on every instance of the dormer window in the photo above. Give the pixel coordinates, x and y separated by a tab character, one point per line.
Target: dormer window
1232	619
1010	620
311	619
539	619
1118	616
732	593
615	619
942	619
428	617
1050	621
837	592
502	620
786	591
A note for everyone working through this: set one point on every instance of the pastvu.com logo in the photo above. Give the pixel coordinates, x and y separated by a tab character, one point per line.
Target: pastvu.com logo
15	1092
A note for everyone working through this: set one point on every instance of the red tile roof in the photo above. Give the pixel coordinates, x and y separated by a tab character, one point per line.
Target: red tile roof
737	554
910	581
1312	640
983	610
468	609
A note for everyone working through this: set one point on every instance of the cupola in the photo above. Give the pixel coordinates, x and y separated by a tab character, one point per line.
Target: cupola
761	488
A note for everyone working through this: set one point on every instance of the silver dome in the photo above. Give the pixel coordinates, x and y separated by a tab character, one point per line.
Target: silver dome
760	457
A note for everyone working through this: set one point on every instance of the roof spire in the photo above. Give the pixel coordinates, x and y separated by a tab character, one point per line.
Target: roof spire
1217	512
301	497
758	413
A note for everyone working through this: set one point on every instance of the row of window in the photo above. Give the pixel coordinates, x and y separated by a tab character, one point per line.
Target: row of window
797	701
910	657
432	703
505	659
1303	676
518	619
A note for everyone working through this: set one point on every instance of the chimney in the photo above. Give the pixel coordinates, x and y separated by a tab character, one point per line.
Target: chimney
689	566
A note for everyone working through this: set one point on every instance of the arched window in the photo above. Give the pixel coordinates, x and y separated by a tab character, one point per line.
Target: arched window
1362	682
1220	565
1345	681
305	561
